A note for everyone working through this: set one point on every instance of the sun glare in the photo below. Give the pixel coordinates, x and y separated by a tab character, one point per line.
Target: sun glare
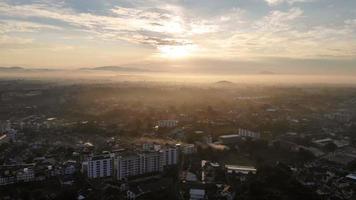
170	51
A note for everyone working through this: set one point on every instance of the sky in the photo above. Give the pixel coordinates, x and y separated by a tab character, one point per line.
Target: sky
219	36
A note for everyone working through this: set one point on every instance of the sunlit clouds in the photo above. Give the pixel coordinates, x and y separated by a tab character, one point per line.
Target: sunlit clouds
277	2
137	31
176	51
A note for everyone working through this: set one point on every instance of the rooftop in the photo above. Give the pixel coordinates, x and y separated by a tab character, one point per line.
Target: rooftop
229	136
241	169
101	157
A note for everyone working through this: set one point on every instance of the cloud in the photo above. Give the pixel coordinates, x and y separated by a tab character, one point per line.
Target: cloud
142	25
278	20
8	41
155	25
351	23
7	27
23	26
290	2
282	34
274	2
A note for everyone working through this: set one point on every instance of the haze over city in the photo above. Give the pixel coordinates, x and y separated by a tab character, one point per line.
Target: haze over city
177	99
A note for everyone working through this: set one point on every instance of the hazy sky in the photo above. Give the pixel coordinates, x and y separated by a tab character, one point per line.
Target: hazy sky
313	36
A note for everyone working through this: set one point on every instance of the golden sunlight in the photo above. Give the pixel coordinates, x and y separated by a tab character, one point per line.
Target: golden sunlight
171	51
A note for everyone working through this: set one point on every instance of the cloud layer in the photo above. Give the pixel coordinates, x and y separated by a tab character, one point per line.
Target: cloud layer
126	31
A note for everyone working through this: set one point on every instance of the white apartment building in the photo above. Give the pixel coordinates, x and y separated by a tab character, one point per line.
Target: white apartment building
100	166
137	164
167	123
127	165
7	180
150	162
247	133
26	175
12	176
169	156
197	194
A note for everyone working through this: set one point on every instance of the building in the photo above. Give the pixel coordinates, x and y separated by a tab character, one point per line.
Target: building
151	162
7	180
16	173
341	117
133	164
100	166
229	139
127	165
169	156
196	194
209	170
69	168
240	169
188	149
25	175
167	123
147	146
323	142
249	134
207	139
343	156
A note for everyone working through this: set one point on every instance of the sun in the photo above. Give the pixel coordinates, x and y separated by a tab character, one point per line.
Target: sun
175	51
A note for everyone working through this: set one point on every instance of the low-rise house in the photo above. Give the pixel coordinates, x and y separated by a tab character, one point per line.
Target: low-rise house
239	172
209	171
188	149
197	194
16	173
229	139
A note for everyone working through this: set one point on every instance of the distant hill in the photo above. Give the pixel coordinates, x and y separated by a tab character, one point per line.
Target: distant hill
117	69
11	68
224	83
22	69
